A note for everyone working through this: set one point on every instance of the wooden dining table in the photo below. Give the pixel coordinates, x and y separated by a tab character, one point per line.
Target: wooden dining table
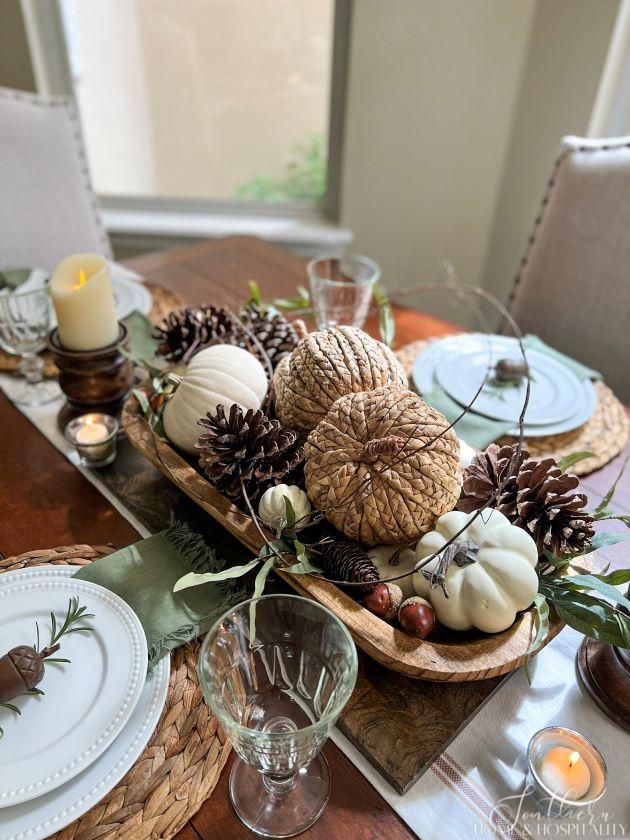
46	502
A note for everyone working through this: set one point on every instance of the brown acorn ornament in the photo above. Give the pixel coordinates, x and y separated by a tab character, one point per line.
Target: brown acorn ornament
21	669
384	600
416	617
24	666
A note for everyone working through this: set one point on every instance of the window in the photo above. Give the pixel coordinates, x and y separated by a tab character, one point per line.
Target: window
208	100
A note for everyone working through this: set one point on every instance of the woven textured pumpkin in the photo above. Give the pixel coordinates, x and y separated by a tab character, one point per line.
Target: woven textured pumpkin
382	466
327	365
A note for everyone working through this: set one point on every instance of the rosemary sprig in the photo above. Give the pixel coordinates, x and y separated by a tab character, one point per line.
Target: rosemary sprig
75	613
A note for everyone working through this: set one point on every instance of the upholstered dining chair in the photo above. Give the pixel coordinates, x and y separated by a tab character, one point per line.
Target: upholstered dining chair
47	206
573	284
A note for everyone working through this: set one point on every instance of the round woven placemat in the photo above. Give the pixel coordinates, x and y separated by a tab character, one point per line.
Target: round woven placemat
605	433
179	767
164	301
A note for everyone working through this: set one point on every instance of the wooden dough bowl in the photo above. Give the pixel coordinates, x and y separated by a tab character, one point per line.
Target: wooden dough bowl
445	657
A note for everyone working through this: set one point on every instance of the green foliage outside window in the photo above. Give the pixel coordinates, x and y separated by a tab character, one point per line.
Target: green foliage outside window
303	179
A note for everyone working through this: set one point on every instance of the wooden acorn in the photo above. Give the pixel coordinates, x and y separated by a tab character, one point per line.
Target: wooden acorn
21	669
416	617
510	370
384	600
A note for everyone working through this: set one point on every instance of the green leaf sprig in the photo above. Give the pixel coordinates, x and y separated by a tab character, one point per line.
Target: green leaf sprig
590	603
385	315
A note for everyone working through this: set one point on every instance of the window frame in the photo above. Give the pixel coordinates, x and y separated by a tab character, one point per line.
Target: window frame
50	57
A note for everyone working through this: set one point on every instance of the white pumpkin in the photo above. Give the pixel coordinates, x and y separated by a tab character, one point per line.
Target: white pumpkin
488	592
219	375
381	555
272	510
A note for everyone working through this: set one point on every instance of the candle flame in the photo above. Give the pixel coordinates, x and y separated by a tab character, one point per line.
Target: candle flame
574	758
82	279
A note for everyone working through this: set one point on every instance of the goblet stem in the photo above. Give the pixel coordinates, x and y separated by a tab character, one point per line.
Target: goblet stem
279	787
31	368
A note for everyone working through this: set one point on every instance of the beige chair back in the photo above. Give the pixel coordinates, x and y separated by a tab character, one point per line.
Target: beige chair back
47	206
573	285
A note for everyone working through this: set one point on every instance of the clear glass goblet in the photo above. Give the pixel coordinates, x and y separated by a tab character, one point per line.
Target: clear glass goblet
24	325
277	672
341	289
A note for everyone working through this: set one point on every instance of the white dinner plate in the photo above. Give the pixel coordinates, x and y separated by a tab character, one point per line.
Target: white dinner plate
129	294
53	811
424	379
87	702
554	389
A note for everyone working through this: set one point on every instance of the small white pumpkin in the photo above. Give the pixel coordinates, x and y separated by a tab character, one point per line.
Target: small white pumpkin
381	555
500	581
272	510
218	375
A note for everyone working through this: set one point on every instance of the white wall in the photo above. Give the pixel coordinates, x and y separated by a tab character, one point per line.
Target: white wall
446	98
431	97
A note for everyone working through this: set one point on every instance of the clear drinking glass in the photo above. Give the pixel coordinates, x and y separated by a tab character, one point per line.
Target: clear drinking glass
24	325
276	696
341	289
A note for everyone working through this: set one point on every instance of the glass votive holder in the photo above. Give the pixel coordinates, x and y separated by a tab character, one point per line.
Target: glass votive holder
551	802
341	289
94	437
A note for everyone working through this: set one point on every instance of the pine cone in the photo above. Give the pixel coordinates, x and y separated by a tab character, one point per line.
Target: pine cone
498	466
547	508
348	561
186	331
534	495
277	336
247	446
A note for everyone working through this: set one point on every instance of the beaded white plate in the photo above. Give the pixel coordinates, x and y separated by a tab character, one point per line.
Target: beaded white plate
87	702
53	811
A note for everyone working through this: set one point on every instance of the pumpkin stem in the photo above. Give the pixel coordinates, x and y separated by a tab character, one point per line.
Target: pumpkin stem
461	552
390	445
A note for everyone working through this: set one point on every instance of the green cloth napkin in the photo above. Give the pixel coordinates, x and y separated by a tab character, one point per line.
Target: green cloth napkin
11	278
142	345
479	431
144	575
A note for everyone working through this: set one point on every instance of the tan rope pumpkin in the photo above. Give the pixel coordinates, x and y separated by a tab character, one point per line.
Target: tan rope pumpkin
327	365
383	466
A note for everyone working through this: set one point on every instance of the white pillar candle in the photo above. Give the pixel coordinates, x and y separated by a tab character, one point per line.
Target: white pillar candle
82	295
565	773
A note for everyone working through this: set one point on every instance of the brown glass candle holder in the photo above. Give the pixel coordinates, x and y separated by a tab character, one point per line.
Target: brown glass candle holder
92	380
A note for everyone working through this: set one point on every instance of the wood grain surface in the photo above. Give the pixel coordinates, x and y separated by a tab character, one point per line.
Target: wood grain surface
44	501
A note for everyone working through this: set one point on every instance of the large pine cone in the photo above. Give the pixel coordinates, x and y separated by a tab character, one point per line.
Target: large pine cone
382	466
495	469
277	336
535	495
342	560
327	365
183	333
547	507
248	447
